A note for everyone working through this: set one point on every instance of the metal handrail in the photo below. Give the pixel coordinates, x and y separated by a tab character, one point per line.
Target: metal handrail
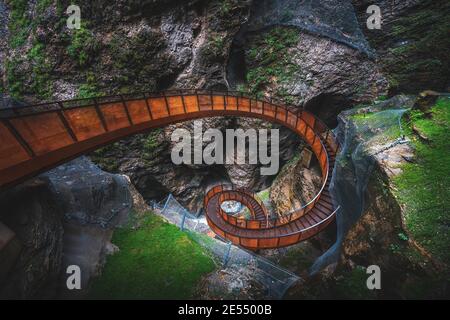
6	112
78	103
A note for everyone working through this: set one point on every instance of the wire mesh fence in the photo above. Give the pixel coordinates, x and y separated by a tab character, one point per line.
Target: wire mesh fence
275	279
364	134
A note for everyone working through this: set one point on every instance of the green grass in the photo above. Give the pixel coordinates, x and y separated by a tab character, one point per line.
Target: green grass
156	261
424	187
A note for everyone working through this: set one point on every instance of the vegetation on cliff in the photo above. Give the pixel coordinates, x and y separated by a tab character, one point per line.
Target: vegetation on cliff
269	59
423	186
417	43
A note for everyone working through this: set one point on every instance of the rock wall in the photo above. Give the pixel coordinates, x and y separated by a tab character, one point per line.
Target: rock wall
61	218
376	235
155	45
412	44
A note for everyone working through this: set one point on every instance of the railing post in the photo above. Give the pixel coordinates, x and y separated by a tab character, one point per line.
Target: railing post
100	114
183	220
225	100
167	202
19	138
198	99
226	257
126	110
167	104
184	103
211	97
63	119
148	106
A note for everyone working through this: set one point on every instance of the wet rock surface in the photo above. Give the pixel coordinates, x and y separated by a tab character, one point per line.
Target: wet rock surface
412	43
64	217
235	283
33	213
163	44
156	45
294	187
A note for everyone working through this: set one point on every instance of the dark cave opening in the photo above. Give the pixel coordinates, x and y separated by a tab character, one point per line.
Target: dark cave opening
327	107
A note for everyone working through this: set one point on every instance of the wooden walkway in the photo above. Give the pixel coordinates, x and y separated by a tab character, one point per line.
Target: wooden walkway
37	138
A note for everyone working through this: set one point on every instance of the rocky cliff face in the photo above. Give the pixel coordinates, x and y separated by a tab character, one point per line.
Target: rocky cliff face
295	186
412	43
64	217
155	45
371	228
318	54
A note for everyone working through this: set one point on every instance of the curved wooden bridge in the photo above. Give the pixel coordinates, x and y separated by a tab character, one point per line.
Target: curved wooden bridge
39	137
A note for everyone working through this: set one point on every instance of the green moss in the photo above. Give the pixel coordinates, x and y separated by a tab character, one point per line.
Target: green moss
225	7
41	83
19	23
423	186
421	60
37	80
370	121
15	78
83	45
352	285
214	49
89	89
150	143
42	5
136	61
102	157
155	261
264	195
269	59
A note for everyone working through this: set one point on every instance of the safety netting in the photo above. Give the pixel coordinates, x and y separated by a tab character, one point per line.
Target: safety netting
363	133
273	278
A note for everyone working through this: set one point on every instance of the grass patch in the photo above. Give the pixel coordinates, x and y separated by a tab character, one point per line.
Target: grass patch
155	261
424	187
264	195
